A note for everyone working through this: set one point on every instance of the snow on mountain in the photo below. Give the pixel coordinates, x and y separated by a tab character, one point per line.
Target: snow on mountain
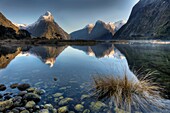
45	26
119	24
101	31
21	26
47	16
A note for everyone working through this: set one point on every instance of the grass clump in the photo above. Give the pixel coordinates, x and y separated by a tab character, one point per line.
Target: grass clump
126	94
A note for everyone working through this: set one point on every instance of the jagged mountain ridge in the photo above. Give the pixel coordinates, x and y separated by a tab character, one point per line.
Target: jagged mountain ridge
148	19
99	31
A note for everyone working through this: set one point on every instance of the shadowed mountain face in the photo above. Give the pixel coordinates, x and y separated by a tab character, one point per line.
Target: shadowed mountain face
46	54
149	19
99	31
7	55
45	26
9	30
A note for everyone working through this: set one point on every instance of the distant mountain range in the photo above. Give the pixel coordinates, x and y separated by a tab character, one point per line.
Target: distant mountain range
99	31
148	19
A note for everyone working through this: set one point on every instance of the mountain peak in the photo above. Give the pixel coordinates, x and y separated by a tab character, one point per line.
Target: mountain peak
47	16
100	22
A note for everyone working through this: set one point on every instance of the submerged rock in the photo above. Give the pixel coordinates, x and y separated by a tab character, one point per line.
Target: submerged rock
57	95
23	87
2	87
85	97
63	109
22	93
13	86
65	101
39	91
48	106
30	104
97	106
31	89
25	111
44	111
32	96
86	111
79	107
4	105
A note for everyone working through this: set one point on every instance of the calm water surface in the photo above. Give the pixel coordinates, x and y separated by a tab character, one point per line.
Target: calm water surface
74	67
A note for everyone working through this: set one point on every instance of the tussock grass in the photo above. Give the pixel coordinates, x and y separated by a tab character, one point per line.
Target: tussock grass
126	94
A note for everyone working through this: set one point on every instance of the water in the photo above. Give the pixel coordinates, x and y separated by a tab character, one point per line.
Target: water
75	66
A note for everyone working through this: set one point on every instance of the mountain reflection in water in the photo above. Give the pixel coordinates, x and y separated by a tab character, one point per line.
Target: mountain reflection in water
73	66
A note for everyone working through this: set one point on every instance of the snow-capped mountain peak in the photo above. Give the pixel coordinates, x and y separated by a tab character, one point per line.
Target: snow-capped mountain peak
47	16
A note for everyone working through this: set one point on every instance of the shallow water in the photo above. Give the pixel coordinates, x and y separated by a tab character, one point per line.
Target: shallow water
74	67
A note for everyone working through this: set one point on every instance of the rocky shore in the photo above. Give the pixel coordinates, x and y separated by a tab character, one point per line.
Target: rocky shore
28	99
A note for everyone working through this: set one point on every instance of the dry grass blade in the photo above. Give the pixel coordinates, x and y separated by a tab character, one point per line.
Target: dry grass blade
126	94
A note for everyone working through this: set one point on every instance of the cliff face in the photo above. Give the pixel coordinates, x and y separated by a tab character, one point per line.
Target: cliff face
9	30
148	19
7	23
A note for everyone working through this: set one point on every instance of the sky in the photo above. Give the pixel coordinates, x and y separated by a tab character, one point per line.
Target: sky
71	15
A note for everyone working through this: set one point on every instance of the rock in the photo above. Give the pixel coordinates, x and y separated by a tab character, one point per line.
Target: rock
2	87
86	111
13	86
6	104
25	111
97	106
15	110
23	87
44	111
61	97
85	97
39	91
31	89
63	88
48	106
55	78
65	101
32	96
22	93
79	107
63	109
7	97
71	112
56	95
17	101
36	107
1	95
30	104
20	108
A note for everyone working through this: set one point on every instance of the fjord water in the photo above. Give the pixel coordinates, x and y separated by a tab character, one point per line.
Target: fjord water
75	66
